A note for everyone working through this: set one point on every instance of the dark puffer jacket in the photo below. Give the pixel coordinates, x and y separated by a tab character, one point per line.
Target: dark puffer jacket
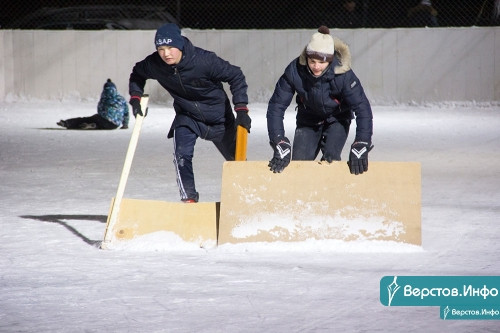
337	94
200	101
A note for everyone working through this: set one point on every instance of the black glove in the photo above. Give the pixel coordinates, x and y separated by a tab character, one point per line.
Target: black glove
282	154
135	101
242	117
358	158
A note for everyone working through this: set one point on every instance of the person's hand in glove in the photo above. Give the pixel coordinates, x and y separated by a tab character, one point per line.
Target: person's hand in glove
358	158
282	154
242	117
135	102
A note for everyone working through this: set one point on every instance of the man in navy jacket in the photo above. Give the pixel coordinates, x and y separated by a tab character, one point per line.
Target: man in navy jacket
194	78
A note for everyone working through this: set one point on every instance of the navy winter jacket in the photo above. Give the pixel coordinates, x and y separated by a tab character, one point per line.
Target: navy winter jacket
195	83
336	95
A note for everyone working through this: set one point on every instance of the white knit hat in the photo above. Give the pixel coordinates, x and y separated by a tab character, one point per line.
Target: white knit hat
321	45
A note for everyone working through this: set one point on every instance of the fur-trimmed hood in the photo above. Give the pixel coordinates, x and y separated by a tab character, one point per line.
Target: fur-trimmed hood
342	60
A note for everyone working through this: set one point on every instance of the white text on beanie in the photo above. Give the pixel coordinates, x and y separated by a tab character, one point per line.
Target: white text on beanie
169	35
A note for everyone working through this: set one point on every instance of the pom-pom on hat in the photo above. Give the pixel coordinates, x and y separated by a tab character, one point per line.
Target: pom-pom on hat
321	45
169	35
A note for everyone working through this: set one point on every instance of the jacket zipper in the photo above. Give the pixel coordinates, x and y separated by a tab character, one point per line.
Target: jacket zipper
184	89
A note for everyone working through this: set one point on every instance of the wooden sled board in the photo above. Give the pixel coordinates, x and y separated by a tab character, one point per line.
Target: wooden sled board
193	222
314	200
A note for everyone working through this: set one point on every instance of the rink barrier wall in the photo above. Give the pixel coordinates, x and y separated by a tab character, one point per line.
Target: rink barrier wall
418	65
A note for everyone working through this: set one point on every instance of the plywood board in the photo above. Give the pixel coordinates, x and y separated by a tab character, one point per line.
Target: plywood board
193	222
313	200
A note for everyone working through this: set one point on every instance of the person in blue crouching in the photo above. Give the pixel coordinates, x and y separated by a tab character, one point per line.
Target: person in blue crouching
193	77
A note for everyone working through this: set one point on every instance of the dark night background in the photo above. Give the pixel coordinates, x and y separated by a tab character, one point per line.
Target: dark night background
272	14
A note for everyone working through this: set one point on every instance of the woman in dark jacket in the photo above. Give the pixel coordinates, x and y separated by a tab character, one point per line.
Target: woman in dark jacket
193	77
328	95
